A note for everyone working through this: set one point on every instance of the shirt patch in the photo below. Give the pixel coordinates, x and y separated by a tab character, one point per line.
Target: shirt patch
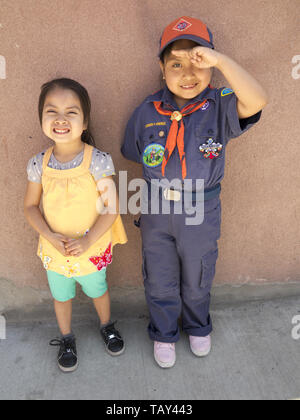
153	155
210	149
226	92
205	106
155	124
182	25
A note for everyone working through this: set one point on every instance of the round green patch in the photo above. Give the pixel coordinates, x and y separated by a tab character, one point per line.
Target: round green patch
153	155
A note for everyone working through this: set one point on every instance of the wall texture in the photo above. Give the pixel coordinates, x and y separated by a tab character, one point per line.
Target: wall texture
111	48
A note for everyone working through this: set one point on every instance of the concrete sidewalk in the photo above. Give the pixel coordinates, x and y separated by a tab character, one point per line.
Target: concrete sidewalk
253	357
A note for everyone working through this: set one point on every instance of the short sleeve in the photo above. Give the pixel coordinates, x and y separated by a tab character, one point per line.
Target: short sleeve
35	168
234	126
102	165
131	145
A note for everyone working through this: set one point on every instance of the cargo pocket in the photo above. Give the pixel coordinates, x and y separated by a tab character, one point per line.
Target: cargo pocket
208	269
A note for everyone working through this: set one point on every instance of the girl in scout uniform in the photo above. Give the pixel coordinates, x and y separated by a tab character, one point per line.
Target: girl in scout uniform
181	133
76	235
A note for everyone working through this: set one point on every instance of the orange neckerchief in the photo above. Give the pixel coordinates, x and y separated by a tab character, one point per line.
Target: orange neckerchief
176	134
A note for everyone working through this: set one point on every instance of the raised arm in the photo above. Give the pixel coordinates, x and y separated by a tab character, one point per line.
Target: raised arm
251	95
252	98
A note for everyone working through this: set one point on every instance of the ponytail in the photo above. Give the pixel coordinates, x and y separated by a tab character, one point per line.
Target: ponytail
86	137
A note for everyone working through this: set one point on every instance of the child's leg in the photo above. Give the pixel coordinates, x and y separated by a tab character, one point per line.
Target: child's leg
63	311
94	285
198	259
63	290
102	306
67	355
113	340
161	272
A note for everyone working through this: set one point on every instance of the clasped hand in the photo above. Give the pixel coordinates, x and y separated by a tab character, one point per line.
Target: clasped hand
70	247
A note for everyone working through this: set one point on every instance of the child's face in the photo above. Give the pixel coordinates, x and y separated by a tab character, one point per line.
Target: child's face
183	79
63	119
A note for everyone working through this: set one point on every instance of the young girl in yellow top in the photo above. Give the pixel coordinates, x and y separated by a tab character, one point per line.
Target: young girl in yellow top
80	223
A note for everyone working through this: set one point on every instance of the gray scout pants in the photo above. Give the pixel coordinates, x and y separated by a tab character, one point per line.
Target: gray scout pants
178	269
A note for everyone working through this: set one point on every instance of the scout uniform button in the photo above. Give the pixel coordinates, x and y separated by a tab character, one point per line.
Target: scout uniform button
161	134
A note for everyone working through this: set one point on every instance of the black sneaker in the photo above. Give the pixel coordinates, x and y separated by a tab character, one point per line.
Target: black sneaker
114	343
67	355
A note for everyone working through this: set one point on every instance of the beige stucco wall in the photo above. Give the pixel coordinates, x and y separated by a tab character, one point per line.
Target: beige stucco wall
111	47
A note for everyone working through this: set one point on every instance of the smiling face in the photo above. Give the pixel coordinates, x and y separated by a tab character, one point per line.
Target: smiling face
183	79
62	118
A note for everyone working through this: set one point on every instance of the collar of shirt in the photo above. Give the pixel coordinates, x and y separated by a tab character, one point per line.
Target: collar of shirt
167	98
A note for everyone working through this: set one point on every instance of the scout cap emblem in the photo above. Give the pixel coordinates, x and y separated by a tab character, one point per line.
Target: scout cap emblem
210	149
182	25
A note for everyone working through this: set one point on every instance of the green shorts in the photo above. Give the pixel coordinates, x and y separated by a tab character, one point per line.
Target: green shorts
64	288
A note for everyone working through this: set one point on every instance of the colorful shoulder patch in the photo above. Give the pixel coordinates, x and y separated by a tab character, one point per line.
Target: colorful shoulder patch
226	92
153	155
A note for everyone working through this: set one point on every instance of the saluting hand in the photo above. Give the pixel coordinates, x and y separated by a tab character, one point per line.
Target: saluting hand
201	57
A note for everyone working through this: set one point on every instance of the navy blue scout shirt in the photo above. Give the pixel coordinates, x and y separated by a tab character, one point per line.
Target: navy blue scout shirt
147	132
